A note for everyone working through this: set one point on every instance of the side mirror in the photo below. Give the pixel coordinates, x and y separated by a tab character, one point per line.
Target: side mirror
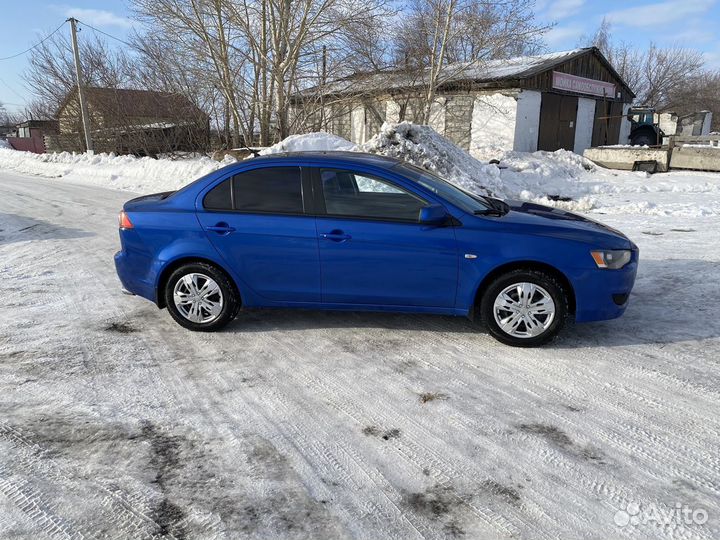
434	214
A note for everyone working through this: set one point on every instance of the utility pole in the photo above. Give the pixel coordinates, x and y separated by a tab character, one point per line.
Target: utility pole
81	92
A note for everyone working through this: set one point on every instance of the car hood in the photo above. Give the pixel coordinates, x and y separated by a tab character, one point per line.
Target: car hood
551	221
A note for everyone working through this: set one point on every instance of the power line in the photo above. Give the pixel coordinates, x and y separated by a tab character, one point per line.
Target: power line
11	89
36	45
106	34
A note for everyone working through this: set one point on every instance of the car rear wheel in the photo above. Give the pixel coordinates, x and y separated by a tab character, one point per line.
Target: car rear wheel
201	297
524	308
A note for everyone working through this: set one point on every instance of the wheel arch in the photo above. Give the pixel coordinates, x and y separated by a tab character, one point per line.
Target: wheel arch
523	265
173	265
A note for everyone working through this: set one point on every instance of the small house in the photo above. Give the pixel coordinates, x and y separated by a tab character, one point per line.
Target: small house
129	121
29	136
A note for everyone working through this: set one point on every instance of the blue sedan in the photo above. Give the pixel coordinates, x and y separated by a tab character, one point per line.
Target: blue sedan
354	231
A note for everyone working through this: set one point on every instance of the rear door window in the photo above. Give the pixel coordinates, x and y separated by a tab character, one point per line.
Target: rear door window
270	190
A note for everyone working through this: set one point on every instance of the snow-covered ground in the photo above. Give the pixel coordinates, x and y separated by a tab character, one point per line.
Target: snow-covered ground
117	423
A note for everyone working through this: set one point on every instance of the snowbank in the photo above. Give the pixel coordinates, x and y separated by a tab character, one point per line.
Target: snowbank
318	142
5	144
520	175
562	178
424	147
536	176
118	172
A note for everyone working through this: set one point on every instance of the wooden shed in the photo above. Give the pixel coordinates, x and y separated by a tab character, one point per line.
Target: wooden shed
130	121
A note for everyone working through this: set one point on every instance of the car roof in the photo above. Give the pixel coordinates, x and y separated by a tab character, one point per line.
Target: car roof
360	158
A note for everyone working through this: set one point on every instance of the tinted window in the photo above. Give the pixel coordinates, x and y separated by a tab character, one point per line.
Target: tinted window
275	189
219	198
352	194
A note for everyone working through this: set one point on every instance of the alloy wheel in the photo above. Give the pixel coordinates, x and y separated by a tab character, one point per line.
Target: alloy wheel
198	298
524	310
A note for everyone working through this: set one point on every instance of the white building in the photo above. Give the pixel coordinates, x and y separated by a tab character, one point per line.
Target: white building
572	100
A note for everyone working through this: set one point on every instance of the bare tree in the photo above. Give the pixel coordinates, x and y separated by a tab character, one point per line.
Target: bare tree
258	53
655	74
204	26
699	93
668	70
441	39
4	115
51	73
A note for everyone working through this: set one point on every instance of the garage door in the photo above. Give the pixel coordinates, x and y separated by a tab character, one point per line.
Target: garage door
558	115
608	116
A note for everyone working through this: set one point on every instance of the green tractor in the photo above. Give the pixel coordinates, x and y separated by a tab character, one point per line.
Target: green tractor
644	131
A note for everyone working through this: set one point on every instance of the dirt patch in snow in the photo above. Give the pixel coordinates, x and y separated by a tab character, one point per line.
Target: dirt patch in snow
427	397
120	327
386	435
165	461
550	433
439	503
506	493
560	439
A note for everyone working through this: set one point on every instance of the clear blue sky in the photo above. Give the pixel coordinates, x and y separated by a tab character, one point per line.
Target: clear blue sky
692	23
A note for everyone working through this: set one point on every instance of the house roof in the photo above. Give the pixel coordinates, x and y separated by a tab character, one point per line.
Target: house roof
125	102
490	71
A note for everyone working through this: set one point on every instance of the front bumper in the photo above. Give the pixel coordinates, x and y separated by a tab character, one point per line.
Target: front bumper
602	294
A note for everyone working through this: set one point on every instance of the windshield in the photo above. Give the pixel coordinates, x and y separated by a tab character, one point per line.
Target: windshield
459	197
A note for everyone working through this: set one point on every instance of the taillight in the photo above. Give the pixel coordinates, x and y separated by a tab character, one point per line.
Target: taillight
125	222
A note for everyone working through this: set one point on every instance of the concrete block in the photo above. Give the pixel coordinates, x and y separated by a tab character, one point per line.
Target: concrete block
695	157
619	157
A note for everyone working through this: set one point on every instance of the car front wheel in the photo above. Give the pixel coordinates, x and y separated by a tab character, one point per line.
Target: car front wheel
524	308
201	297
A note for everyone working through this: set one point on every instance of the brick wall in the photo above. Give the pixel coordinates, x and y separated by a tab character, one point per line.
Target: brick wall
458	119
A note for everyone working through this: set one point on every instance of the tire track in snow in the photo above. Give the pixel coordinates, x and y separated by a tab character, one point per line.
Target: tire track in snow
292	440
409	449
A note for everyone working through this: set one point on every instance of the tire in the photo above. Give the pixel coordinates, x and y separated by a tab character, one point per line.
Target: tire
539	324
644	139
201	311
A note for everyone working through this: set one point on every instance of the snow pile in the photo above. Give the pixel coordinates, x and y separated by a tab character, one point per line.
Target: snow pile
5	144
540	177
527	176
108	170
545	176
424	147
318	142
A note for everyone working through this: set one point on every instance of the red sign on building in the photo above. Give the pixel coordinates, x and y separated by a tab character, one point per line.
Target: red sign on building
581	85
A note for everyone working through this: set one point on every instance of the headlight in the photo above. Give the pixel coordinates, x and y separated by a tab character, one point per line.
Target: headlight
614	259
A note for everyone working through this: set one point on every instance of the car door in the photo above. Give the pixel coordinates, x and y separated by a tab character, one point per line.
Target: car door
257	221
374	251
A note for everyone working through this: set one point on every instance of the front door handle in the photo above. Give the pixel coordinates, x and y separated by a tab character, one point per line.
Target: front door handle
336	236
221	228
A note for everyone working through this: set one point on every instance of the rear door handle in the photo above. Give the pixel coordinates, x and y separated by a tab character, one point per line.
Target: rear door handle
221	228
336	236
